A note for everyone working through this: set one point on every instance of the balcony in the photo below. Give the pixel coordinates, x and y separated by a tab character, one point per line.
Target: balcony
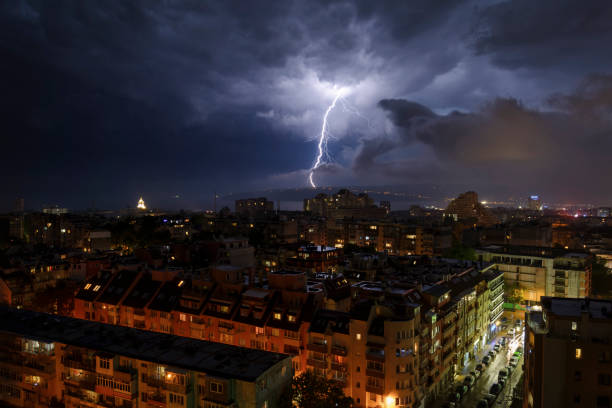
86	365
342	367
376	356
448	329
293	350
370	372
177	388
342	381
339	350
82	382
375	389
322	364
139	312
152	381
319	348
157	400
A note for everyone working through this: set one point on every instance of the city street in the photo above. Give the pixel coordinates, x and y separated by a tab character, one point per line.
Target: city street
490	375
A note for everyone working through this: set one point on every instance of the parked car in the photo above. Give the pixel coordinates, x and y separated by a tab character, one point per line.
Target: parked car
469	381
502	373
486	360
502	382
491	354
479	367
461	389
503	341
495	389
511	332
516	354
482	404
475	374
497	347
490	398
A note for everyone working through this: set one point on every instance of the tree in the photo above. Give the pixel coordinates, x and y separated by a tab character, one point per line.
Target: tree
601	278
460	251
309	390
514	294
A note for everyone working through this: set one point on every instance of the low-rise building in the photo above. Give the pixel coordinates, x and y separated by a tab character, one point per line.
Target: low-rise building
48	359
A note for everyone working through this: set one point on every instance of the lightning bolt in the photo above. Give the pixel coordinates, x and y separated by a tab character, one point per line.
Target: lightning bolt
322	146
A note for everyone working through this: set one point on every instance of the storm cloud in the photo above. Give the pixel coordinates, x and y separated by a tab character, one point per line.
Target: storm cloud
106	101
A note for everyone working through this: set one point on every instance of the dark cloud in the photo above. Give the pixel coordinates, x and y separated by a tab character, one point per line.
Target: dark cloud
106	100
560	152
546	33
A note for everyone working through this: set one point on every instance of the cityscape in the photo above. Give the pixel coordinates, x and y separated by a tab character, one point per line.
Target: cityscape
306	205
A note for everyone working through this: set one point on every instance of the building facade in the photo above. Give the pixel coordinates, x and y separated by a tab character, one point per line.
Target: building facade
538	271
48	360
568	354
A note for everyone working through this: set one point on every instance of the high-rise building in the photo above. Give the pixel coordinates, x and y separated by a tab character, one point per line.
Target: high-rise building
604	212
534	203
568	354
466	207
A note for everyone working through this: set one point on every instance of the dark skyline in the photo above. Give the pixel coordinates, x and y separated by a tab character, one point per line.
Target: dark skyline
103	102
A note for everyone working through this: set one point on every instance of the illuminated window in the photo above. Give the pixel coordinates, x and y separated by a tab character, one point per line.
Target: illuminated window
88	286
574	326
96	288
358	336
277	315
181	283
578	353
291	318
182	317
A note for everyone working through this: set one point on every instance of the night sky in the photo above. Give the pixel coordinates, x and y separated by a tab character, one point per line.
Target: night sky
105	101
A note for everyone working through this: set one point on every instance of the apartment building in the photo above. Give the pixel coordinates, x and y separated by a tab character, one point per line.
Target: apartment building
220	308
540	271
49	360
384	342
568	354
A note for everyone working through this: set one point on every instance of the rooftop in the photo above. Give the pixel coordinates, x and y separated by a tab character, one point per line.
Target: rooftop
215	359
597	308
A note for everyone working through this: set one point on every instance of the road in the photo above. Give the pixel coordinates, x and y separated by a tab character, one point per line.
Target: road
489	376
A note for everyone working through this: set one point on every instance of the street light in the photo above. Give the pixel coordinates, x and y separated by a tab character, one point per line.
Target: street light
389	401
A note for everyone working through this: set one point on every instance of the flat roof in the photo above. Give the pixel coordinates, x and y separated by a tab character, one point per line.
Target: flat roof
574	307
215	359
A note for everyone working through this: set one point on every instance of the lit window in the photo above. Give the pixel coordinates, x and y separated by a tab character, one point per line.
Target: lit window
358	336
291	318
181	283
578	353
574	326
183	317
277	315
88	286
96	288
